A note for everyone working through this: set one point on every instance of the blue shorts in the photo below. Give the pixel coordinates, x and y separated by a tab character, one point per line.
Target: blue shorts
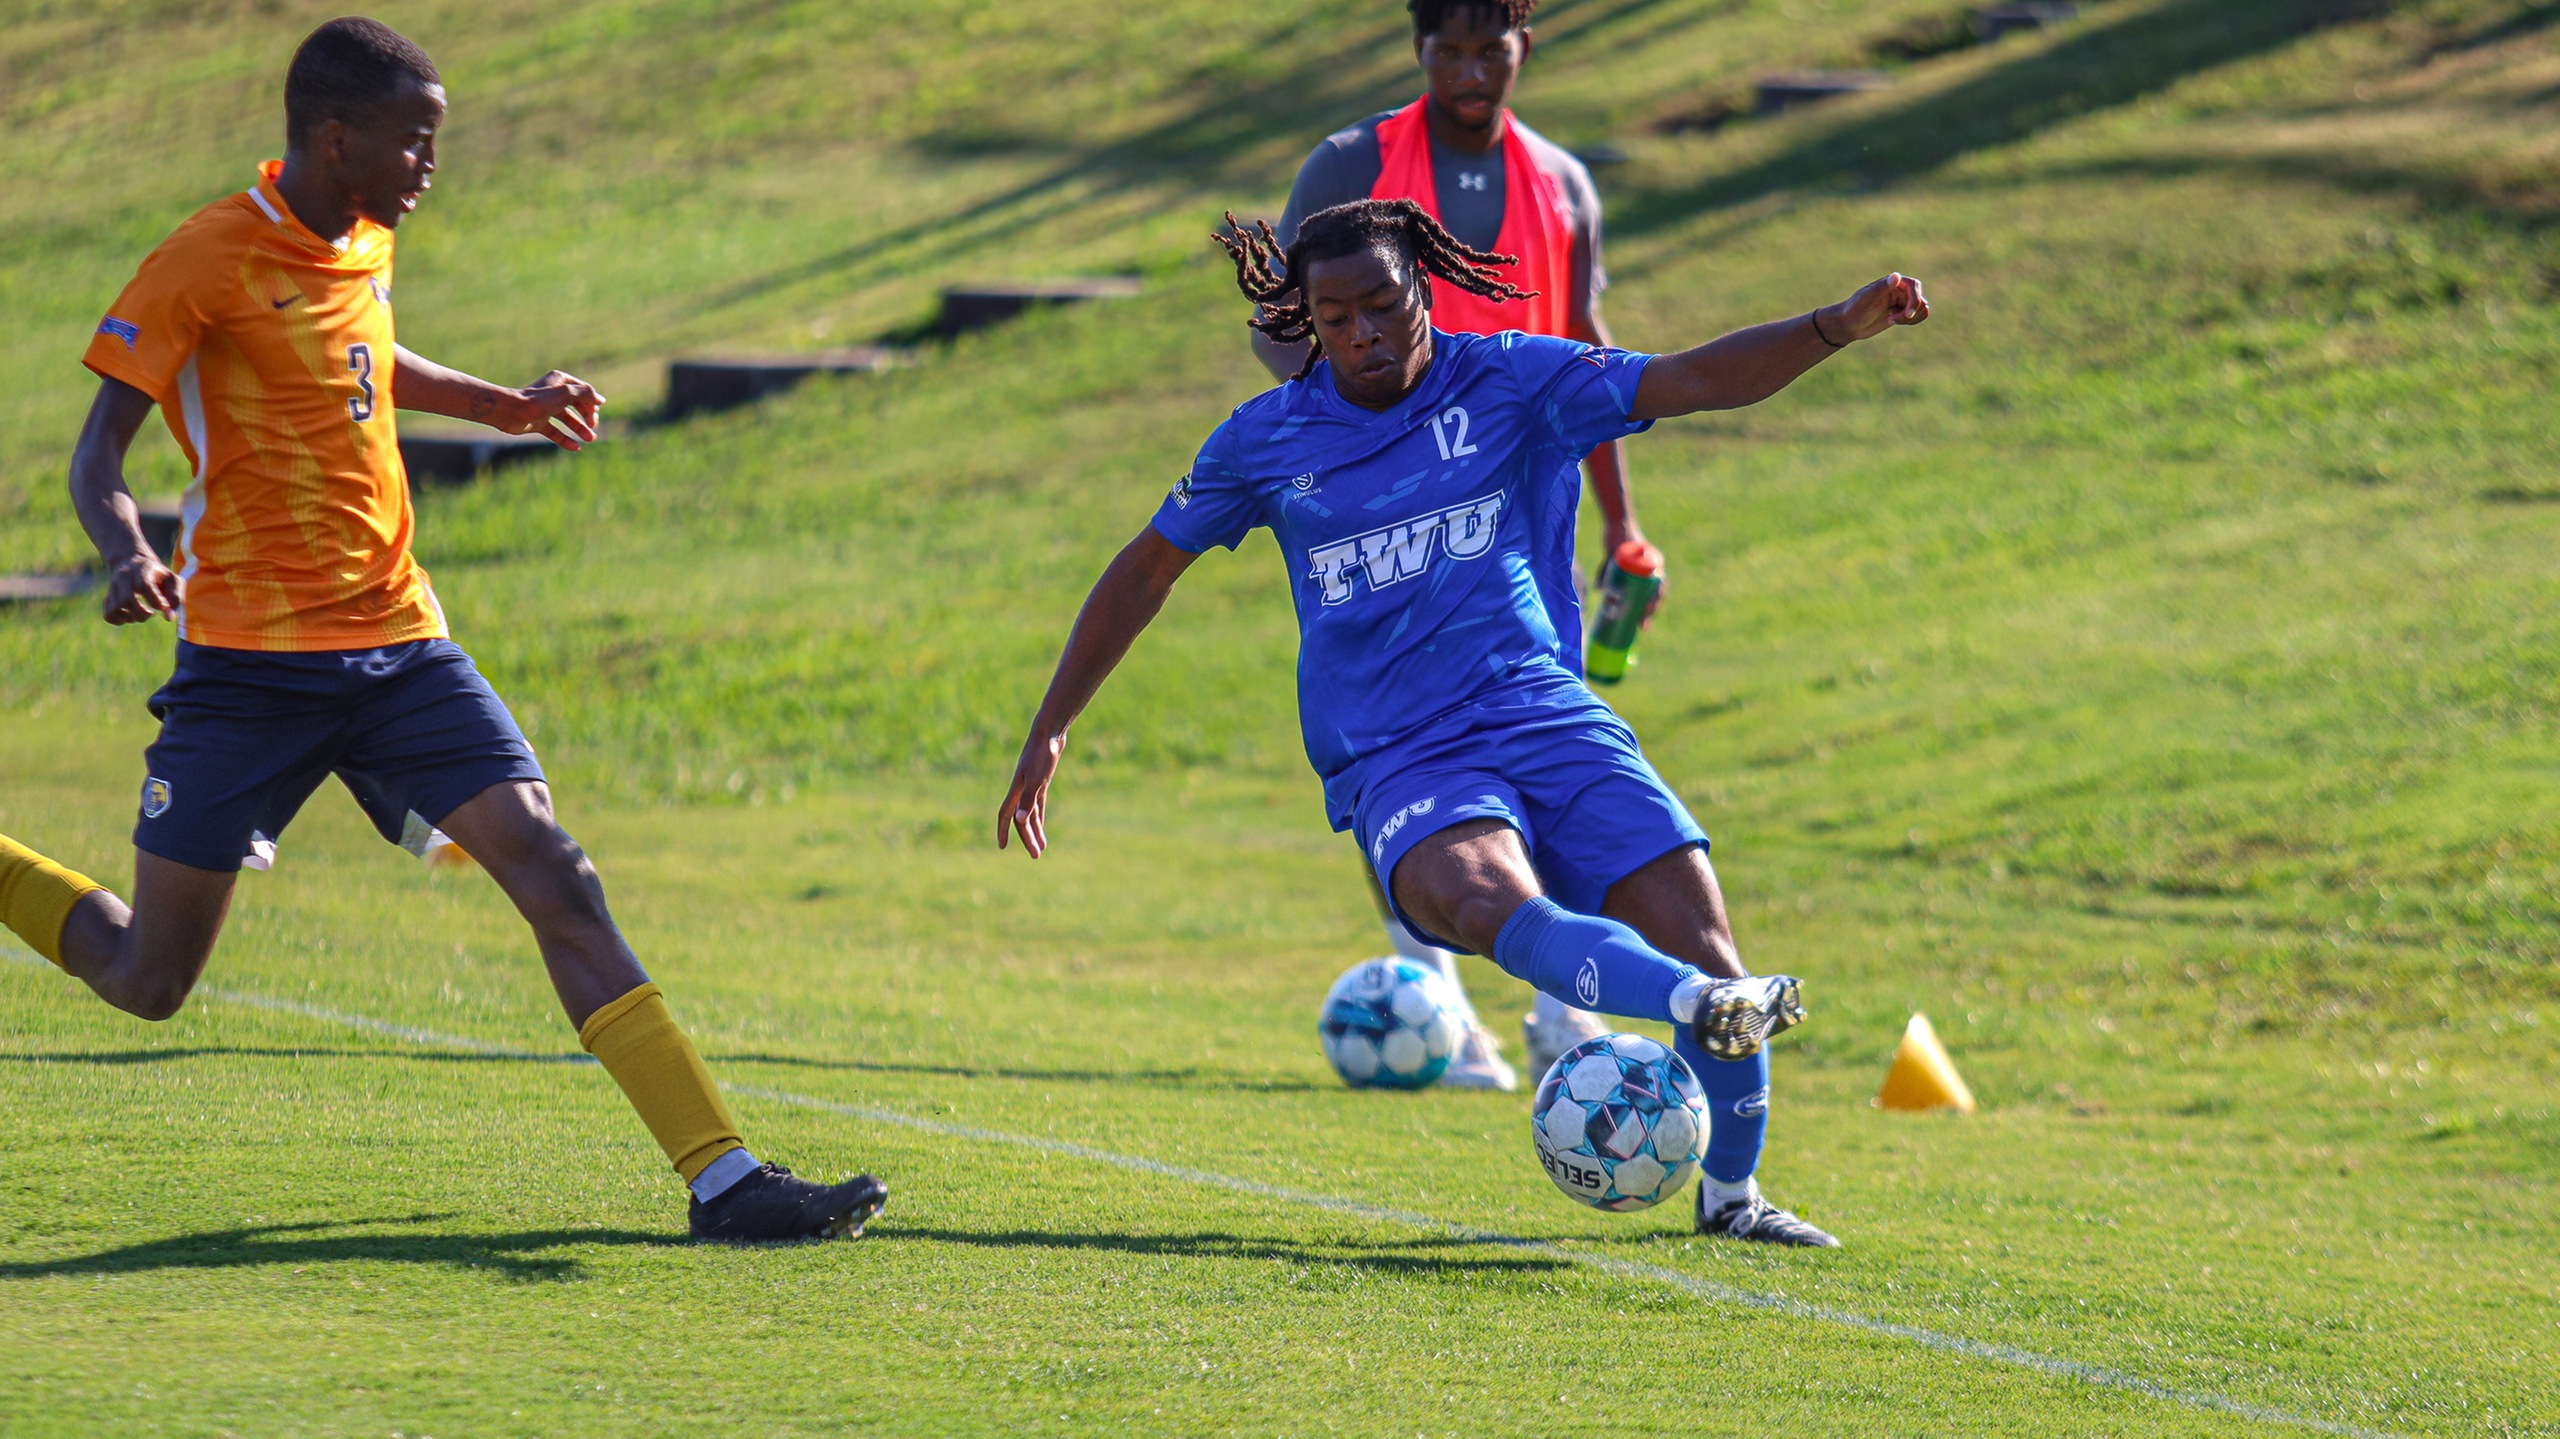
1549	760
246	736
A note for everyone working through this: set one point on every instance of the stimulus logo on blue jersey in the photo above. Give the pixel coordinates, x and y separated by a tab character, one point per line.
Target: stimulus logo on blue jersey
1395	553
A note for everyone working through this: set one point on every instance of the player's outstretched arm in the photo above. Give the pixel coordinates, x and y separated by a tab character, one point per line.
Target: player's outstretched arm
1749	366
560	407
138	584
1607	465
1122	604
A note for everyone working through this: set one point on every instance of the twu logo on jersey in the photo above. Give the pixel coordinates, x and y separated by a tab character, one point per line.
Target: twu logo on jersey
1395	553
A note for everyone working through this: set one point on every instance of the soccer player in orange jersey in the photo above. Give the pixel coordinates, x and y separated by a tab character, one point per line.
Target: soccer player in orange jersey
309	640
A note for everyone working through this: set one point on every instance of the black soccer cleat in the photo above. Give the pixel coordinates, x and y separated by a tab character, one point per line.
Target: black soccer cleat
774	1205
1737	1016
1757	1220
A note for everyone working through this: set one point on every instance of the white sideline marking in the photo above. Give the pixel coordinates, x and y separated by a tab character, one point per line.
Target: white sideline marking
1706	1289
386	1027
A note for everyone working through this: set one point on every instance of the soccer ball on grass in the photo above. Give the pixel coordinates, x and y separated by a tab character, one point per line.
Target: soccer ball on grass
1391	1024
1620	1122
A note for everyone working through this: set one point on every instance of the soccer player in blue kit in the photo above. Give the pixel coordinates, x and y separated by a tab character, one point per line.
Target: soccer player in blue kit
1421	484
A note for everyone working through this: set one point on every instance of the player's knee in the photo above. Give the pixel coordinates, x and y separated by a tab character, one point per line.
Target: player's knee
158	1008
1476	917
564	856
575	886
152	974
154	999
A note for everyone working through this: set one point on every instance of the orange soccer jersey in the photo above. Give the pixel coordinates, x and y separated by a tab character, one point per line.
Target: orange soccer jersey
269	351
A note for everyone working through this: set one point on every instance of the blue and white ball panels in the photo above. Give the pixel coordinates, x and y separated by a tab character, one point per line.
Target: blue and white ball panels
1391	1024
1620	1122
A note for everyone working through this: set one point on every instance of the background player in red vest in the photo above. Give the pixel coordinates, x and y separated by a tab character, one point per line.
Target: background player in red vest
1497	185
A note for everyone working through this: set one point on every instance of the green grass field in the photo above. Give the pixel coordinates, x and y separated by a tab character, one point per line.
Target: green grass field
2148	670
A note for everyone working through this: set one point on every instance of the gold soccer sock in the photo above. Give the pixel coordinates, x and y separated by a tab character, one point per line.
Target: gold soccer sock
36	896
637	1041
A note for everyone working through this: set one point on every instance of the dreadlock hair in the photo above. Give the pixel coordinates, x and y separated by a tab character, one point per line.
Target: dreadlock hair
1429	15
1274	276
345	70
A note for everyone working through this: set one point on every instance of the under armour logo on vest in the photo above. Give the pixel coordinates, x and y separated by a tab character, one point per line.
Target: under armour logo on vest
1468	181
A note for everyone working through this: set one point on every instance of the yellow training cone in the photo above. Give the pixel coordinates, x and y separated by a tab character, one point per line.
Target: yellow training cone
1923	1077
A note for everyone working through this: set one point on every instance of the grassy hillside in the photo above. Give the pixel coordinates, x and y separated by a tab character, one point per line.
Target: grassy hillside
2148	668
677	175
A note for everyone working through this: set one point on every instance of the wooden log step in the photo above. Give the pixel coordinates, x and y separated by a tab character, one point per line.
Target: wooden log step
710	384
460	459
975	307
1812	87
161	524
21	589
1999	20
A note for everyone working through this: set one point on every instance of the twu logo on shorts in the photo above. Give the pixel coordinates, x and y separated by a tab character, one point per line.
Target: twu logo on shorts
1395	825
1395	553
1586	984
155	797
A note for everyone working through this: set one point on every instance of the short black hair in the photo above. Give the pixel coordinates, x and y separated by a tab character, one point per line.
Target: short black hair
347	68
1430	15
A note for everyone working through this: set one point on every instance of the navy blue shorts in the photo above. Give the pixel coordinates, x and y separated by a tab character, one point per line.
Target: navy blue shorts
246	736
1552	762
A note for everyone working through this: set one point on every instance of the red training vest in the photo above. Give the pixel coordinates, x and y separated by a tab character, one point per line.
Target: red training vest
1535	227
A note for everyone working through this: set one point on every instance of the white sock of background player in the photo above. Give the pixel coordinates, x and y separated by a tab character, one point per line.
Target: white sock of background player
1410	945
1545	1008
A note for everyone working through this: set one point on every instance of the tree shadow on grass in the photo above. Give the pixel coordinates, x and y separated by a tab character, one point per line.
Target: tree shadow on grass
1198	145
2530	207
1436	1257
2531	20
1567	29
2104	65
1192	1077
517	1255
113	1057
1185	1078
1347	71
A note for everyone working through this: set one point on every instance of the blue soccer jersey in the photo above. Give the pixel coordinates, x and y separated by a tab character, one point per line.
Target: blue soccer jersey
1427	543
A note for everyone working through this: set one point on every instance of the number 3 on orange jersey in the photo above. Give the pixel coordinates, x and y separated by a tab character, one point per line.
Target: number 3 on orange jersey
360	360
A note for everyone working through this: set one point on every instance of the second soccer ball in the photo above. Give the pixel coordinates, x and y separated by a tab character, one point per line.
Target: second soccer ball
1391	1024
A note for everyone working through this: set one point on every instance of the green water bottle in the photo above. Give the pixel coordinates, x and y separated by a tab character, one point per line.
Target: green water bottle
1628	584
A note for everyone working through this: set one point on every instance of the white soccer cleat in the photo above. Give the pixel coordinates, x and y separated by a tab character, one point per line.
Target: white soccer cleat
1551	1034
1479	1064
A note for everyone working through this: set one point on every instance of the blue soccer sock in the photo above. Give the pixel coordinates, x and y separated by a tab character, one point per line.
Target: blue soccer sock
1737	1109
1593	963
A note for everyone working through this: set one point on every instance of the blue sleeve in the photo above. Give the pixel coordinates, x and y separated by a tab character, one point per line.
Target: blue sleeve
1582	392
1214	505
